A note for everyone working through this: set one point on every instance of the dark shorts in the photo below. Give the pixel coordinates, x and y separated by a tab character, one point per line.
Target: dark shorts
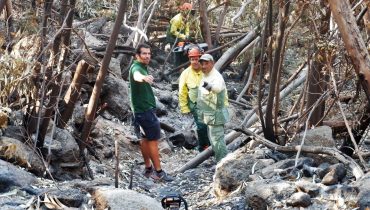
147	125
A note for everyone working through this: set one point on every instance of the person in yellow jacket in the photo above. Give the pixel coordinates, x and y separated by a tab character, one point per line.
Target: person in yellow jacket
188	93
179	25
212	105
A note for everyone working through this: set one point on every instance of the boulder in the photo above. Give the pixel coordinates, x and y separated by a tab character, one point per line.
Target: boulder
299	199
12	176
117	199
18	153
116	96
336	173
63	146
363	198
262	193
321	136
235	169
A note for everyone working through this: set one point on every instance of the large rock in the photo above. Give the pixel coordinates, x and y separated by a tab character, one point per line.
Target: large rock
11	176
18	153
285	168
336	173
116	96
114	66
235	169
363	199
321	136
299	199
63	146
262	193
117	199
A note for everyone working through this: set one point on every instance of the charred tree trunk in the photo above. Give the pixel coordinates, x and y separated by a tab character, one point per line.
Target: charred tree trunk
72	94
46	73
274	81
56	82
91	108
9	14
355	47
221	21
367	19
2	5
204	25
317	78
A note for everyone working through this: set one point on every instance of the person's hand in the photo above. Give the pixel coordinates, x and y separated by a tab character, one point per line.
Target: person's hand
186	113
182	36
149	79
207	86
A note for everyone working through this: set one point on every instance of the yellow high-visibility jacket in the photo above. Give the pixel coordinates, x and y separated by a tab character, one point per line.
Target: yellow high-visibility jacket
179	28
188	88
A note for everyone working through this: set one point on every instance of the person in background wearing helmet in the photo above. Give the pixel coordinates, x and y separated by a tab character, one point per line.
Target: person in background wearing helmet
188	93
212	105
179	25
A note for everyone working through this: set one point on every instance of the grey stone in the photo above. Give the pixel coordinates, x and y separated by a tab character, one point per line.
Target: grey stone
116	96
234	170
308	187
117	199
319	136
11	176
20	154
262	193
336	173
299	199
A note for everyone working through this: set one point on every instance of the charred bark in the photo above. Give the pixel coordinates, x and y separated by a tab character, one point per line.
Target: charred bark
72	94
274	82
91	109
358	53
317	77
204	25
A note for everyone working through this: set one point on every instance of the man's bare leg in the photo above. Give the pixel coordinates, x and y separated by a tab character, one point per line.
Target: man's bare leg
145	151
154	154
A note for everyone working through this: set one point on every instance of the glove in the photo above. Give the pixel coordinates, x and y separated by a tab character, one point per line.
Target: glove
207	86
182	36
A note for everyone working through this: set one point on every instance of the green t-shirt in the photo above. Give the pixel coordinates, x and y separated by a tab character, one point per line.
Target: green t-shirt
141	93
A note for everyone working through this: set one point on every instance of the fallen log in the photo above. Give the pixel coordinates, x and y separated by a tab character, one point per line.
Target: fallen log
201	157
231	53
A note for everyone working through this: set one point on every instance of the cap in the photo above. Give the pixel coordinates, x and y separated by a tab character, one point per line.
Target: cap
206	57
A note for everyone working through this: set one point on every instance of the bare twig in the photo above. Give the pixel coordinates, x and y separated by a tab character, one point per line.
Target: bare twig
346	122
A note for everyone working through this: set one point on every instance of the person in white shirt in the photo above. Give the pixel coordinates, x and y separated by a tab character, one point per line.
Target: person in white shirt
212	105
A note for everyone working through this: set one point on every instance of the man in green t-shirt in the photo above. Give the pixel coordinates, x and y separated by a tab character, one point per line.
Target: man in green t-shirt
143	106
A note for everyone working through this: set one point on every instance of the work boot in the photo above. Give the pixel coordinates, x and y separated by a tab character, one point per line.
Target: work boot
148	171
162	176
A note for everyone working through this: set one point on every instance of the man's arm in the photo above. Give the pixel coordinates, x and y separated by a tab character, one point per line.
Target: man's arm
183	94
138	77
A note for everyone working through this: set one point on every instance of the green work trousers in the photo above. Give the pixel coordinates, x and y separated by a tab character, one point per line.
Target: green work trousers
203	140
217	138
